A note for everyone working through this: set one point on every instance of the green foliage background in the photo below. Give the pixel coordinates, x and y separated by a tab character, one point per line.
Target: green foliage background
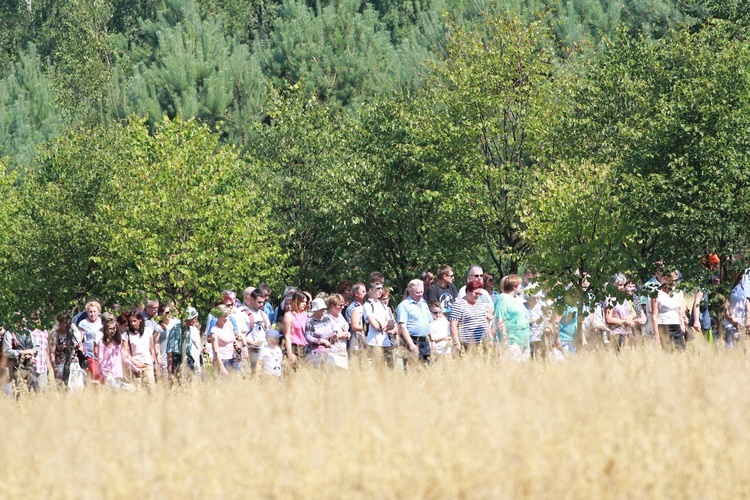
176	147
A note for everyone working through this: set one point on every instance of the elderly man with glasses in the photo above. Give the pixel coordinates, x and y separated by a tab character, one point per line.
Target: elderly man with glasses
414	318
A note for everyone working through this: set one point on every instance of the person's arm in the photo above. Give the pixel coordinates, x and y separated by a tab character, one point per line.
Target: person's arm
286	324
696	310
155	354
8	346
655	320
217	361
403	315
454	332
312	337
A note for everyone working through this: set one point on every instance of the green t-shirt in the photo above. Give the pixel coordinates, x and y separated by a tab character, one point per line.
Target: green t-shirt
515	316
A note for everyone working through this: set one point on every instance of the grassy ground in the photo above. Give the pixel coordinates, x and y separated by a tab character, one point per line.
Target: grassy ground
644	424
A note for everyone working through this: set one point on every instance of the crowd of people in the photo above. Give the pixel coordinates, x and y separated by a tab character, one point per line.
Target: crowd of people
151	343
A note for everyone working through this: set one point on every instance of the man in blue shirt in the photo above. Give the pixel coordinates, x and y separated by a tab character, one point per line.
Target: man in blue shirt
414	318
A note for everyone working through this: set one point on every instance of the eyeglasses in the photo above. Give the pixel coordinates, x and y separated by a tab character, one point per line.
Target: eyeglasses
377	288
167	311
477	275
448	275
435	312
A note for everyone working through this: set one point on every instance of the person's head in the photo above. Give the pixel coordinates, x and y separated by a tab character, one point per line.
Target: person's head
92	308
445	275
374	288
385	297
619	280
344	288
531	301
227	297
318	308
309	299
135	322
62	322
247	295
299	302
221	313
335	303
512	284
151	307
376	275
257	299
191	316
528	276
629	287
415	290
473	291
263	287
110	332
273	338
435	309
489	282
359	292
166	311
427	278
122	321
475	273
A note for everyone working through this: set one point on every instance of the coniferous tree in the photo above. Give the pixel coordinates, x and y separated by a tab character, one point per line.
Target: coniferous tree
28	115
194	71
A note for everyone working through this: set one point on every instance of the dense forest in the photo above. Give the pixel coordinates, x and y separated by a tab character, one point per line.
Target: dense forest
175	147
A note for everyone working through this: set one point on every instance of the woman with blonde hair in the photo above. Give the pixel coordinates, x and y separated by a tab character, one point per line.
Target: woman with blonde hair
224	341
338	354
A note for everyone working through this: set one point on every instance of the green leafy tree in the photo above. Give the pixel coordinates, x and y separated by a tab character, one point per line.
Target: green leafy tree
400	219
498	90
304	152
668	115
119	213
577	225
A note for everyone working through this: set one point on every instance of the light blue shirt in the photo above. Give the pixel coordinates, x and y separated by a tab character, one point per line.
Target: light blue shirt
416	316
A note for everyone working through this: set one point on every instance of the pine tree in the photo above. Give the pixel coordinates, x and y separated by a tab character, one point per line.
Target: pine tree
28	115
194	71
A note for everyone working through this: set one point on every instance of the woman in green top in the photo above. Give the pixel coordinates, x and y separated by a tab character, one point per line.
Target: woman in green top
515	317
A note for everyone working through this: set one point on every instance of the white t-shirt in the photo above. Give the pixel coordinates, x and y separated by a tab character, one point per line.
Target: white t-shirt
376	309
92	334
140	347
270	360
440	328
737	305
669	308
261	324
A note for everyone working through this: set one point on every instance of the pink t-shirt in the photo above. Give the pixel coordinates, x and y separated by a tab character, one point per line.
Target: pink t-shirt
225	339
299	320
110	359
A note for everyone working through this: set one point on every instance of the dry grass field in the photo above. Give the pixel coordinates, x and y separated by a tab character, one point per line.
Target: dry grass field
640	425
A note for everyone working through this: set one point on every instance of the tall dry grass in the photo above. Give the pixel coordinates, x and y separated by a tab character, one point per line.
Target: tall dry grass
641	424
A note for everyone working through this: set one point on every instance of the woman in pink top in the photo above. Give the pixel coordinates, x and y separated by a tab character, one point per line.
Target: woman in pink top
293	325
110	351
